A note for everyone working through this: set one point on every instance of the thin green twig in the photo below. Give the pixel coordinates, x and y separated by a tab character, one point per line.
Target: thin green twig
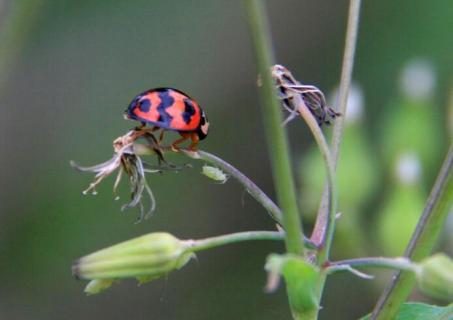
258	194
248	184
325	222
276	136
330	169
399	263
214	242
427	232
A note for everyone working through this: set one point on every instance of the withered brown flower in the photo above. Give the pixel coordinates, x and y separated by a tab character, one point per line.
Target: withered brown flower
125	160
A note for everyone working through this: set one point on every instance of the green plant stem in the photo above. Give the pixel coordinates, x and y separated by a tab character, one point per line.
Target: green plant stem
330	169
274	211
214	242
399	263
258	194
248	184
276	136
325	221
426	233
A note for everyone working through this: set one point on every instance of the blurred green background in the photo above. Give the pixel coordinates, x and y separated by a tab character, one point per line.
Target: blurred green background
68	69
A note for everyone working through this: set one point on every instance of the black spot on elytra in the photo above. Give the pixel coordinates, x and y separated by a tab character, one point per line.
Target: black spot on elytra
144	105
166	101
189	110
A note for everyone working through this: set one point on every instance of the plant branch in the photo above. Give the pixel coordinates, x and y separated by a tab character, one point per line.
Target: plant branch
323	230
276	136
248	184
258	194
330	169
399	263
426	233
325	222
214	242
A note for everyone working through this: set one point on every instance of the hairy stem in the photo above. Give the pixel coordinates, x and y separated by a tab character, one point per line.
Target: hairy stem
426	233
276	136
324	226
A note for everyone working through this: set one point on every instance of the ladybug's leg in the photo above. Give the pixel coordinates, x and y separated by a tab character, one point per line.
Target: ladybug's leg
141	126
195	139
161	136
156	147
153	129
184	136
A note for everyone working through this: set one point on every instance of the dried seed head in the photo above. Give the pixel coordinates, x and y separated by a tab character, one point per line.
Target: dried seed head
125	160
294	96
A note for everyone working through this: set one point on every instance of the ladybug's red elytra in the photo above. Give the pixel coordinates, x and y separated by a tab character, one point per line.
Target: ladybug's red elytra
170	109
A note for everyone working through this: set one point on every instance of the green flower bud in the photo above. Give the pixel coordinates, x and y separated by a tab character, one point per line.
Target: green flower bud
435	276
145	258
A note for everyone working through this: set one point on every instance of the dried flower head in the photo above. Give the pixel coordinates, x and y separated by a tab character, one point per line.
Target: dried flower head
125	160
295	95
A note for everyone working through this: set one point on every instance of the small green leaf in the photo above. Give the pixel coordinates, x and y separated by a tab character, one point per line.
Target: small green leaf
98	285
301	278
422	311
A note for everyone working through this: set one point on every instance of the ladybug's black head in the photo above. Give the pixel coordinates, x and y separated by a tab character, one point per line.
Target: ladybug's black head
129	112
203	127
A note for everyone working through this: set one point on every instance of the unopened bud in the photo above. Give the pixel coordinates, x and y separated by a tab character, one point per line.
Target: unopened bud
146	257
435	276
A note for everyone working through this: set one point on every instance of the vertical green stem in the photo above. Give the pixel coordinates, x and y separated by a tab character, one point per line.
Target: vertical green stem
325	222
276	136
423	240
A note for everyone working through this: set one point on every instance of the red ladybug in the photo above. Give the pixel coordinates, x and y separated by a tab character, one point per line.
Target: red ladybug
170	109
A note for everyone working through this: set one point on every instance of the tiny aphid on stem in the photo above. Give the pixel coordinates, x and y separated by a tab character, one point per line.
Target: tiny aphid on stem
214	173
294	95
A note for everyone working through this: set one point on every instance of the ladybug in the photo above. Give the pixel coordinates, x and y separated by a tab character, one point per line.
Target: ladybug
170	109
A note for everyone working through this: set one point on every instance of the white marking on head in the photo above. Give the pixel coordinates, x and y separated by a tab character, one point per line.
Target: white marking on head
204	128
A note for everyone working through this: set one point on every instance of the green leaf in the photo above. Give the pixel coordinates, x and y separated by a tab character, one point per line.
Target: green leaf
301	278
422	311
